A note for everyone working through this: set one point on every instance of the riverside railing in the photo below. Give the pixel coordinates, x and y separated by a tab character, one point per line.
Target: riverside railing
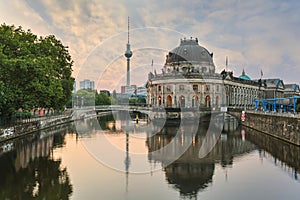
23	126
23	119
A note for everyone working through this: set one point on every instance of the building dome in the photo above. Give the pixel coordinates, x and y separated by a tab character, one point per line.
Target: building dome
189	50
191	53
244	76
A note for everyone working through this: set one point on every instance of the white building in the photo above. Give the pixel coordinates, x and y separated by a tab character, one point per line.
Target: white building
87	84
189	80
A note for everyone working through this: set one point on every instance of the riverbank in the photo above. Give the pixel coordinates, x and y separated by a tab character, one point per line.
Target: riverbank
283	126
28	127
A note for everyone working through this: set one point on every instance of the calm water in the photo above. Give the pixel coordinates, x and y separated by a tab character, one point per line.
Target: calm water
124	160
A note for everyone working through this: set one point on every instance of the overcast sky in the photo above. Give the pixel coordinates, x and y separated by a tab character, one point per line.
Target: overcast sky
255	35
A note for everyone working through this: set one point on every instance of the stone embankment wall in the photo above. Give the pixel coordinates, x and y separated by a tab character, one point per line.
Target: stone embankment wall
284	127
288	153
25	128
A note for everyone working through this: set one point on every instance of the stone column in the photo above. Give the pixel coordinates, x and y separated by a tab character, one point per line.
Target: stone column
174	99
162	96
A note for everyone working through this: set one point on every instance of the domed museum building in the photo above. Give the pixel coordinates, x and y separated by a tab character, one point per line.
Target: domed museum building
189	80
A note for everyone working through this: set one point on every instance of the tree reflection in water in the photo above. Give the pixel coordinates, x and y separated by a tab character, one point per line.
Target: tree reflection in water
29	171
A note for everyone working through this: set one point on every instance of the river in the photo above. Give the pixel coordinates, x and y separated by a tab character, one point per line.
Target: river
112	158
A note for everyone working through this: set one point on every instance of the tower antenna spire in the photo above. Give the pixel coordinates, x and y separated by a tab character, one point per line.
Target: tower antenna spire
128	30
128	54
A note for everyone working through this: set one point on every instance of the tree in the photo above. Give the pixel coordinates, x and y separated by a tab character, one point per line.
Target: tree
114	95
84	97
34	72
137	101
103	99
87	97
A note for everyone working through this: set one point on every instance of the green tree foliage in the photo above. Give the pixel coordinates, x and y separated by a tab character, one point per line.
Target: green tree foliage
137	101
104	99
114	94
42	177
86	97
34	72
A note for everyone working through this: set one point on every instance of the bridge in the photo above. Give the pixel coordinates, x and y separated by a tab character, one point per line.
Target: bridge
162	116
152	112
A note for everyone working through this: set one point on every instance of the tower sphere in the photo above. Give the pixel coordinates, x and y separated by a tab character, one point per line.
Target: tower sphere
128	52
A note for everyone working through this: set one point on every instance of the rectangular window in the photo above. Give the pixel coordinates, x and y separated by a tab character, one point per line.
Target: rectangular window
207	88
195	88
181	87
218	88
159	88
169	88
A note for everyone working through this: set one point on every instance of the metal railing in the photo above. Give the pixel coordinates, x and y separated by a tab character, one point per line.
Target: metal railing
16	120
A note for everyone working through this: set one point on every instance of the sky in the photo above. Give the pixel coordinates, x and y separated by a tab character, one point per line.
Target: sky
256	35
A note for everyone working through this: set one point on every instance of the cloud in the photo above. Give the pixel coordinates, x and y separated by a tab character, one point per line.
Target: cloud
147	44
20	14
253	34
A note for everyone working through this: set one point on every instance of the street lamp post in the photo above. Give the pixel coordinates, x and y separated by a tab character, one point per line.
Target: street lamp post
77	101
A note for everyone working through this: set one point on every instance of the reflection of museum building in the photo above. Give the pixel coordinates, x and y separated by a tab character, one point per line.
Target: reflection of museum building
190	174
188	79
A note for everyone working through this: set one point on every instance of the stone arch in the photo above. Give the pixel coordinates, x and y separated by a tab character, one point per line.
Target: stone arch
159	100
207	101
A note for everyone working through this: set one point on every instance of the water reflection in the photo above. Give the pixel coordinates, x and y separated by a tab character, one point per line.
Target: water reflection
28	169
284	155
190	174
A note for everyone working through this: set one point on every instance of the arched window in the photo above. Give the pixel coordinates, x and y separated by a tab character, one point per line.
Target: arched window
207	101
169	101
159	100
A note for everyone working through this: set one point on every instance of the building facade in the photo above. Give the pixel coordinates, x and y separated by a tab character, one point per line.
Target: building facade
291	90
87	84
141	91
189	80
130	90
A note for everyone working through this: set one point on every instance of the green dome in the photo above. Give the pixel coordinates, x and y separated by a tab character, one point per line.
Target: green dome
244	76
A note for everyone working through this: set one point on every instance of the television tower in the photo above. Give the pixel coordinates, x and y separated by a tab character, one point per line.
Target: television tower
128	54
